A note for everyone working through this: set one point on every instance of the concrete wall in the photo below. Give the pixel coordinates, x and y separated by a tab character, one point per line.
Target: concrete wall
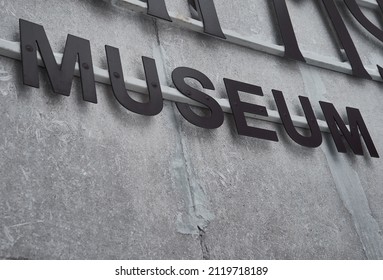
85	181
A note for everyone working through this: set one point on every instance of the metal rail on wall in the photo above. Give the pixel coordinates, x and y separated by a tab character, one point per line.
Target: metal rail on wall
254	43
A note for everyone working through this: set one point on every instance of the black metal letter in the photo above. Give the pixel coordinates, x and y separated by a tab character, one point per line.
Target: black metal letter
363	20
292	50
352	137
157	8
205	9
346	40
155	104
239	108
316	136
216	118
208	13
366	23
33	37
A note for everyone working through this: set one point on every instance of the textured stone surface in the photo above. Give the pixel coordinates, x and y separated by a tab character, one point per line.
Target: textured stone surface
85	181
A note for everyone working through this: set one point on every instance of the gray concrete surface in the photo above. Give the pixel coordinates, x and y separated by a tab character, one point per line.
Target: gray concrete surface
85	181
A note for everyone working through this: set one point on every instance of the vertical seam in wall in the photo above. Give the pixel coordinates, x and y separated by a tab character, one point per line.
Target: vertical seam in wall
346	179
198	213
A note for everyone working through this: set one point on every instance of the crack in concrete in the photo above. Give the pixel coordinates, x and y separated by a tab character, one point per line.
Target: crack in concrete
202	240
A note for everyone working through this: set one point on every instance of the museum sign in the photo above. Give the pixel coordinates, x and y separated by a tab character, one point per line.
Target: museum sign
33	39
